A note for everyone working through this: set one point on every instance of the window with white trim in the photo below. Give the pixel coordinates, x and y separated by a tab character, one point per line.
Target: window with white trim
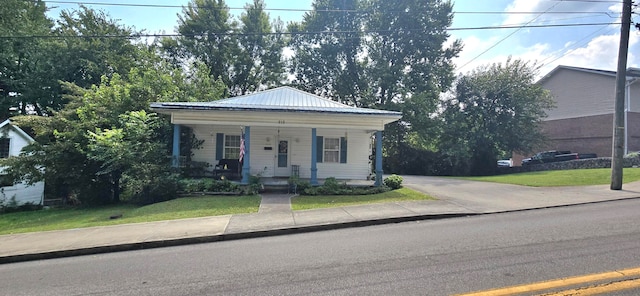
231	146
331	150
5	143
5	181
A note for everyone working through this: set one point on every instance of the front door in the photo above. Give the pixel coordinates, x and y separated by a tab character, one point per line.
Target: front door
283	158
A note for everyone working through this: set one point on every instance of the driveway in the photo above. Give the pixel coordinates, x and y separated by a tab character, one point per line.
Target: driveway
490	197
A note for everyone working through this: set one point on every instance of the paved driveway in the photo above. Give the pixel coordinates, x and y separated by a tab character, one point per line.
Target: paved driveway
489	197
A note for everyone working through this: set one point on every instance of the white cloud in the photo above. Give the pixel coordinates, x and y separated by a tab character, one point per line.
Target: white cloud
600	53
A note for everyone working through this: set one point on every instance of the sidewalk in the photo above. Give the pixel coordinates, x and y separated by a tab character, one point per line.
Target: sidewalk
455	198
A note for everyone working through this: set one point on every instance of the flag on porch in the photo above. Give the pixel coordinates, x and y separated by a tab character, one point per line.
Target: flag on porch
241	156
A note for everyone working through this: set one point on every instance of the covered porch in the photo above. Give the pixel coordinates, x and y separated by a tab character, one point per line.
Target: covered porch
284	132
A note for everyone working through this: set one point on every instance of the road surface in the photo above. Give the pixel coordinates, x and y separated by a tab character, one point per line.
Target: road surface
438	257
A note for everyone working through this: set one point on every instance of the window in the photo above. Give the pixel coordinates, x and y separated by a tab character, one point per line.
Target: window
332	150
231	147
4	147
5	181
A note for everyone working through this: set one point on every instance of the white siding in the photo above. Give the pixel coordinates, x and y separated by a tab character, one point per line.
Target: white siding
23	193
264	161
20	192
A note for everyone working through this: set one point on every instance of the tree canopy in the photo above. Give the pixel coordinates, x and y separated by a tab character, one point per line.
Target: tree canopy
378	54
492	111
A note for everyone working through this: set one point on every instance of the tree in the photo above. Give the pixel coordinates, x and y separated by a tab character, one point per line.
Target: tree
379	54
78	146
246	55
493	110
258	63
206	35
91	44
330	64
25	69
134	152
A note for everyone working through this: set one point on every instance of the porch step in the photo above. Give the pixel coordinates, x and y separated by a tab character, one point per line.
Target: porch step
276	188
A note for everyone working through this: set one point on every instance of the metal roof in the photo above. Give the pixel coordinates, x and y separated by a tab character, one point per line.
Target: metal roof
281	99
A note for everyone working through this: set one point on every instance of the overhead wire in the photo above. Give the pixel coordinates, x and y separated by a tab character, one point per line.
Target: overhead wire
505	38
133	36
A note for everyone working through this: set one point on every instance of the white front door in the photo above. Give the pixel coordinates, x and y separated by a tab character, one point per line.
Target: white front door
283	157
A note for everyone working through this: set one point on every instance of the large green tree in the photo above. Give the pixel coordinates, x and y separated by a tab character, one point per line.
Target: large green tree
206	34
493	110
379	54
77	147
258	62
25	64
329	50
245	54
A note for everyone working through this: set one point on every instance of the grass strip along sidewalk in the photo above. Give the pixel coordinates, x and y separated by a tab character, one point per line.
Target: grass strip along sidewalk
180	208
582	177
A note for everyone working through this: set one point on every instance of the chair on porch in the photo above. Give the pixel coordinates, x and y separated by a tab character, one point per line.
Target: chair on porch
227	169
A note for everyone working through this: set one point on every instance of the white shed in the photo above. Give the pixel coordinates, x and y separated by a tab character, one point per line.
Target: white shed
12	140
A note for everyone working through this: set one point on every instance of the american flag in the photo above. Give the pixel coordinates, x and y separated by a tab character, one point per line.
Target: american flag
241	147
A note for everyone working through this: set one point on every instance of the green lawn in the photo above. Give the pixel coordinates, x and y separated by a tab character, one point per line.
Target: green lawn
561	178
328	201
188	207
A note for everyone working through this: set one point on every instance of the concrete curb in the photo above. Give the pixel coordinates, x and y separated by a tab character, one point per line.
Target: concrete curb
221	237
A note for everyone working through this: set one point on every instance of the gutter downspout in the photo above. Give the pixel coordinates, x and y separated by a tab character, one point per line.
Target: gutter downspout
627	107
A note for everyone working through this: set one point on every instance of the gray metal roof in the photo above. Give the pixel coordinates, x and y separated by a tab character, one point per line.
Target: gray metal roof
281	99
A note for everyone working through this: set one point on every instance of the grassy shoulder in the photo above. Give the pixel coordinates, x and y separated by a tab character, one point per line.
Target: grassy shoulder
306	202
181	208
581	177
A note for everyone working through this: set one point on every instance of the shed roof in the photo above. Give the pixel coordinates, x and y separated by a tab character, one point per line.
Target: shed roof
7	123
281	99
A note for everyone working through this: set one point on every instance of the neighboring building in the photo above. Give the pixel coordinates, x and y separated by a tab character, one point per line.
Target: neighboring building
583	118
286	131
12	140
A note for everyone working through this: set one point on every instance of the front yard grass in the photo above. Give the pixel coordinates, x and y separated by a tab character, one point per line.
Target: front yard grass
307	202
187	207
582	177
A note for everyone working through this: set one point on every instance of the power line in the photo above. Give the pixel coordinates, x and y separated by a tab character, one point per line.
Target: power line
506	37
134	36
305	10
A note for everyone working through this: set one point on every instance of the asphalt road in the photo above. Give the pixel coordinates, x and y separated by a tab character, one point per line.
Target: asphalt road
438	257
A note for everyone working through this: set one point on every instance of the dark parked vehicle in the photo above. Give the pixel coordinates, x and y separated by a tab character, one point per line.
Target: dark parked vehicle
555	156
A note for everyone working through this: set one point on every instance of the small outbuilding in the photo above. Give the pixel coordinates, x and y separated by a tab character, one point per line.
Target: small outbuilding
12	140
284	132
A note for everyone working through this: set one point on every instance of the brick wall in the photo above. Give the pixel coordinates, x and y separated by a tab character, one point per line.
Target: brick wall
591	134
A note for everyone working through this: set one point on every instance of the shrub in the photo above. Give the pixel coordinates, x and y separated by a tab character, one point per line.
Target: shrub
158	189
210	185
332	186
393	182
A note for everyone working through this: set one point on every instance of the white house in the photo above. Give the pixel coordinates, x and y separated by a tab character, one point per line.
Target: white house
284	131
12	140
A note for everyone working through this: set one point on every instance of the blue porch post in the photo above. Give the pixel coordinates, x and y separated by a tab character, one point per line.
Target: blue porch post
175	155
378	158
246	159
314	158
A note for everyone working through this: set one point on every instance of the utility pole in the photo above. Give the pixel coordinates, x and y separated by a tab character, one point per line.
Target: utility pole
618	116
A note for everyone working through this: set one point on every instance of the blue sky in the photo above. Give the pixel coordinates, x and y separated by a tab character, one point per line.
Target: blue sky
593	46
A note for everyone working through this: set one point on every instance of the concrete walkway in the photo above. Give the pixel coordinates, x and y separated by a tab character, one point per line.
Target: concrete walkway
455	198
